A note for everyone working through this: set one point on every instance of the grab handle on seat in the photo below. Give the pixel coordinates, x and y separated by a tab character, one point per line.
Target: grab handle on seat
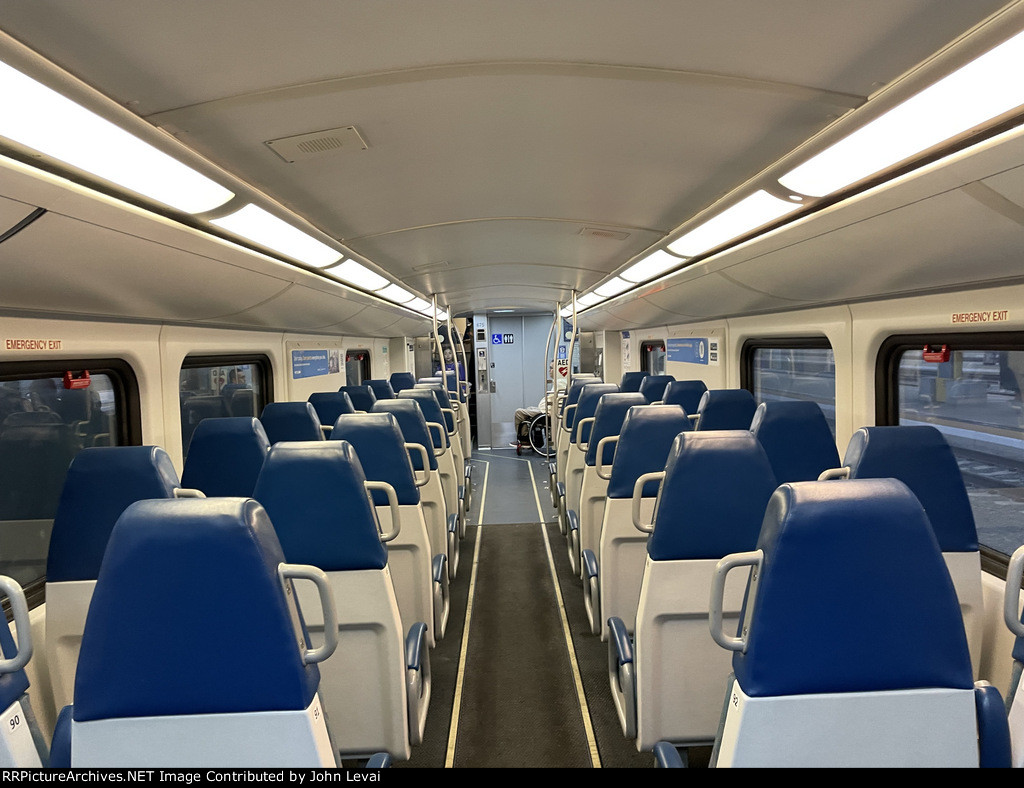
600	455
1011	595
638	496
323	586
565	417
579	433
834	473
442	434
716	604
389	491
426	463
22	628
188	492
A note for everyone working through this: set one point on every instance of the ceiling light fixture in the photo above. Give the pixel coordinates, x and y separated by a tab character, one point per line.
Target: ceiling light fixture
265	229
651	266
746	215
44	120
357	274
982	90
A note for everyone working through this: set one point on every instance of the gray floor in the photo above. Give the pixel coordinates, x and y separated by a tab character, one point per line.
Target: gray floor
519	706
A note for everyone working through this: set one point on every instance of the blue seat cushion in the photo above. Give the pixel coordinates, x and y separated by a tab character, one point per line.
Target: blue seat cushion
378	442
713	499
189	617
648	432
611	412
920	457
101	483
291	421
854	596
413	425
225	457
797	439
315	495
726	409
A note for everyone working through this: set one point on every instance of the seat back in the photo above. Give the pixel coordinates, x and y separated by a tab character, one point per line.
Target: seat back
166	704
362	396
687	393
100	484
316	496
225	457
653	386
381	388
290	421
920	457
797	439
21	742
401	380
380	446
329	405
826	677
631	381
195	409
647	435
680	671
726	409
415	431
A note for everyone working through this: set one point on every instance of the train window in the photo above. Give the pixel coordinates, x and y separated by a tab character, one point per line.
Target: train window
969	388
357	367
791	369
48	413
652	356
218	386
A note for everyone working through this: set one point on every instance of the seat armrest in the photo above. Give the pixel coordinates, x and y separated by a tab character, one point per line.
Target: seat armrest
590	567
619	638
572	520
993	728
379	760
60	746
415	642
666	756
439	567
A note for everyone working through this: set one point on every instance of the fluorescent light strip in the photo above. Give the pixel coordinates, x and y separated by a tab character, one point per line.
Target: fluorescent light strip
979	91
397	294
257	225
567	312
419	304
44	120
589	300
612	287
354	273
651	266
746	215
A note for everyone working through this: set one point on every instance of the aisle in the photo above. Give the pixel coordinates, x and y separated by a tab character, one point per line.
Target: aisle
516	683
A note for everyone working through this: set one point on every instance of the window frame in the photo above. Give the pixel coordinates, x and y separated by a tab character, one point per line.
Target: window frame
645	354
128	422
366	364
887	388
753	344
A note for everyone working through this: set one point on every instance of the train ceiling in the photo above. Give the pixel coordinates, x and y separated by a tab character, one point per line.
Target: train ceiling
505	154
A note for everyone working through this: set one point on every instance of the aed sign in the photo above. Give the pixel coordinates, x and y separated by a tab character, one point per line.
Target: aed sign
563	367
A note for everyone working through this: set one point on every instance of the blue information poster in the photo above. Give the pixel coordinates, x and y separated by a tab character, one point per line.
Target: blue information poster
693	350
309	363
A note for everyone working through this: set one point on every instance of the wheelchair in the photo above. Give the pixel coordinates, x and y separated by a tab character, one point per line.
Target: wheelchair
535	434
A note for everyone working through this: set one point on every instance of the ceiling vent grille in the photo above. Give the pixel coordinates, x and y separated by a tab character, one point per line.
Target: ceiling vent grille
317	143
